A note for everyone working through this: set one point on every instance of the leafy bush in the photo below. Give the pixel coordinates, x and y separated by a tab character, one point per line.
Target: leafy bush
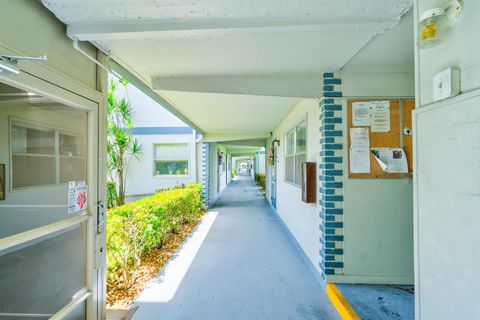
111	194
136	227
233	173
260	180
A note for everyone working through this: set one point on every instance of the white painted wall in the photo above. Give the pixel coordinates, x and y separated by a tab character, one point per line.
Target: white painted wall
260	162
447	186
141	180
147	112
302	219
229	168
223	169
459	49
447	191
378	213
216	177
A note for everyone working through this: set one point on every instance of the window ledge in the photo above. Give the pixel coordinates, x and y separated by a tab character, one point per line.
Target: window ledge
292	184
172	176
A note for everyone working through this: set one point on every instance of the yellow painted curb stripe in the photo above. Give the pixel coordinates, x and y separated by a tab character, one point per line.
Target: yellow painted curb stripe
340	303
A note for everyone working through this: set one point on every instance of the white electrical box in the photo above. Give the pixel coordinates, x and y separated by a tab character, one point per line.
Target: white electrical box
446	84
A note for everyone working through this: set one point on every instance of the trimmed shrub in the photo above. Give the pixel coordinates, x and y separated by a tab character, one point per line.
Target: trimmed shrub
260	180
136	227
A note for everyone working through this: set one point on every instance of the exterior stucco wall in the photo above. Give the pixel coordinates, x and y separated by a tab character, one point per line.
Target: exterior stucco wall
153	124
141	180
33	30
447	190
300	218
377	213
218	180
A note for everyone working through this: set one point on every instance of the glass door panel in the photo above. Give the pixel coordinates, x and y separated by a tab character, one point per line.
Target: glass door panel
43	275
43	147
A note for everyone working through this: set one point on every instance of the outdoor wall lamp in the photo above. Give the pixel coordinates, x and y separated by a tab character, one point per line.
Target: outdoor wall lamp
435	23
275	143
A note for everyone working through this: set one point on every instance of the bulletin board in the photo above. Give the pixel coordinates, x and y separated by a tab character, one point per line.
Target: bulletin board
400	118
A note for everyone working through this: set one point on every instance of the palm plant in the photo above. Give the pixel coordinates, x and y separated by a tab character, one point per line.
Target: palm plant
122	147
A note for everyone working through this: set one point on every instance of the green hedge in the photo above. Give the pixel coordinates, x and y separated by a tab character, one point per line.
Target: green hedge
260	180
136	227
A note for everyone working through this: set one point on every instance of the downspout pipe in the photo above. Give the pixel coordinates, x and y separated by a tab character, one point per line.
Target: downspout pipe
89	57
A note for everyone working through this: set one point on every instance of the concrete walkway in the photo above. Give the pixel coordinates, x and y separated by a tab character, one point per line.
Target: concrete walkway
245	268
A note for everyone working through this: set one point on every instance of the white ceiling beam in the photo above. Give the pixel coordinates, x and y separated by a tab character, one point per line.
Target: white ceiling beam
130	30
241	151
277	85
220	137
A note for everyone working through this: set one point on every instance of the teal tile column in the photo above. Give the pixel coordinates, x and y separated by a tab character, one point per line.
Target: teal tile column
331	176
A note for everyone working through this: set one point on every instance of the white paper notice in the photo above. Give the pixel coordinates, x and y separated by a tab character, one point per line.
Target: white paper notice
380	116
359	160
361	114
77	196
359	137
392	160
359	150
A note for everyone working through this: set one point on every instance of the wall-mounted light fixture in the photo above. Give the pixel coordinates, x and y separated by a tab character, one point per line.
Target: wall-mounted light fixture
435	23
275	143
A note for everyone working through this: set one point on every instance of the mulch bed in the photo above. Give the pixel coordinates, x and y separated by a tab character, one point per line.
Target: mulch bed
152	262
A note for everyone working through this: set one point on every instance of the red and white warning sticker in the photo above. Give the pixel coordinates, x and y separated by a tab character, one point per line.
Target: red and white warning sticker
77	196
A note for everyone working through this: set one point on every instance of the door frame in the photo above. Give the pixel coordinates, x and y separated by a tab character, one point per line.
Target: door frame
38	79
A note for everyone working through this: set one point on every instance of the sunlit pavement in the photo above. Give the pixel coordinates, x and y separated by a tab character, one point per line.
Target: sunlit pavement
238	264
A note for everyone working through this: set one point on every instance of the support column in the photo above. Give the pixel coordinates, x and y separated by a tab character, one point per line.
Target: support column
206	172
331	177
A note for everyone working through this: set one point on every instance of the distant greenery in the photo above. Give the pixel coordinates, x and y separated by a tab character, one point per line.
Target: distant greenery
233	173
260	180
137	227
111	194
121	146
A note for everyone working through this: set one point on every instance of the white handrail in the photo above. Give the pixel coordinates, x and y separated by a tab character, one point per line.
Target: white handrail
36	233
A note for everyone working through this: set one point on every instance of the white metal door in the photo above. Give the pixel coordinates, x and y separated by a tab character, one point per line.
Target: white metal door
50	262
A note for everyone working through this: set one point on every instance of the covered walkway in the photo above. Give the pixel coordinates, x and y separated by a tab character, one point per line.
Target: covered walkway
246	268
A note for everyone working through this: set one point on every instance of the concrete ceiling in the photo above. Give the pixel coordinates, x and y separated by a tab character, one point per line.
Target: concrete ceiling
232	114
225	64
236	150
392	48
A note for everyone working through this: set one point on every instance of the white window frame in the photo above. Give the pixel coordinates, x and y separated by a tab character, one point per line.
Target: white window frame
160	159
295	153
57	156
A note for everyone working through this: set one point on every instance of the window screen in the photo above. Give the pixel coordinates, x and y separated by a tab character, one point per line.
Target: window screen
45	156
